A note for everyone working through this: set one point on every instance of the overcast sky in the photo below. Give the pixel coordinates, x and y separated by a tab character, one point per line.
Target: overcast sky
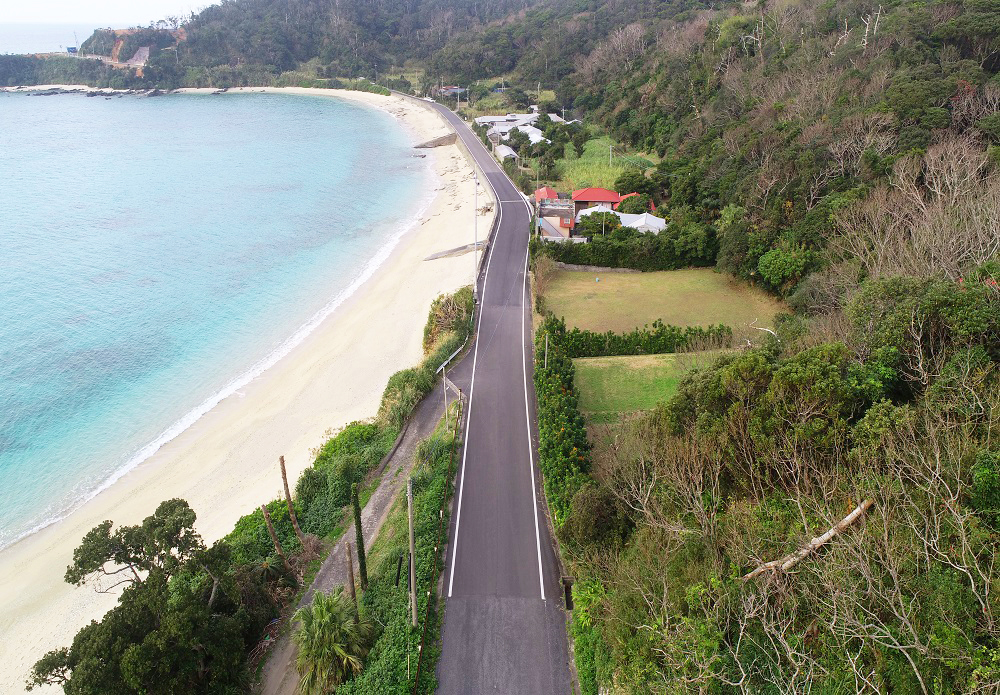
113	13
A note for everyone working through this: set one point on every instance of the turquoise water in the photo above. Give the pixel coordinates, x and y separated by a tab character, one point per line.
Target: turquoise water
157	253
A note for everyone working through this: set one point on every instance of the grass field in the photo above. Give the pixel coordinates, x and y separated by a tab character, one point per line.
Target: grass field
611	386
623	301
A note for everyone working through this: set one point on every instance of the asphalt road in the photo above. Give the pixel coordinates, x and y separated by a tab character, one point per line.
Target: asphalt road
504	625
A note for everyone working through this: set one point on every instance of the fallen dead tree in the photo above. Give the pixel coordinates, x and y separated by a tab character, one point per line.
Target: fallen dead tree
789	561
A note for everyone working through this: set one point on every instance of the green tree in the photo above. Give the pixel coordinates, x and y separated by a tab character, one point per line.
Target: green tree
579	139
332	642
163	542
180	624
598	224
635	205
633	181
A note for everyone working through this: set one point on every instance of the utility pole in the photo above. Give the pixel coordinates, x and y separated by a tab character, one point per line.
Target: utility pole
611	153
351	589
413	560
291	507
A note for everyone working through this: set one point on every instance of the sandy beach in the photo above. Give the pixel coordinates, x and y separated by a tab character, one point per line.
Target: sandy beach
225	465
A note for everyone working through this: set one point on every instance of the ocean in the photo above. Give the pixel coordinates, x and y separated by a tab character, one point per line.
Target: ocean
158	253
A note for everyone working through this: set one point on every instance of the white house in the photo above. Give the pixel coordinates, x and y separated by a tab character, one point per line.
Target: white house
646	222
500	127
534	134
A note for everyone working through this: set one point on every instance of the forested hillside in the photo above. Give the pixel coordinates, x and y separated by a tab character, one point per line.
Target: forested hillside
350	38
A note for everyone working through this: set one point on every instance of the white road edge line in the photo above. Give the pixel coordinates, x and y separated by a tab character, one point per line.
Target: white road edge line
472	390
526	302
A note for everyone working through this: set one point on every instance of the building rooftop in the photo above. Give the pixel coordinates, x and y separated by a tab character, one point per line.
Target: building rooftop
596	195
546	193
503	152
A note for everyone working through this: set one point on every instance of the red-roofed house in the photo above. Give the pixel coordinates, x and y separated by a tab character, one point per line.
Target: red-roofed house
589	197
546	193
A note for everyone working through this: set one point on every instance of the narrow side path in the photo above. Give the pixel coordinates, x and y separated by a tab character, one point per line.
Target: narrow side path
279	676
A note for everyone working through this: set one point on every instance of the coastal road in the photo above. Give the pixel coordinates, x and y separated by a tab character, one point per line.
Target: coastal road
504	625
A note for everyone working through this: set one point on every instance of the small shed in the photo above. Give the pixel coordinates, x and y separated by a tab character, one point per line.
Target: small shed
503	153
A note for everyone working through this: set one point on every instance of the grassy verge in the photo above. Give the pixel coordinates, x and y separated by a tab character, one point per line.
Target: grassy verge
392	661
622	301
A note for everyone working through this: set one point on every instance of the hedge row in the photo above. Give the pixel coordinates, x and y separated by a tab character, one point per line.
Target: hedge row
678	246
563	450
657	339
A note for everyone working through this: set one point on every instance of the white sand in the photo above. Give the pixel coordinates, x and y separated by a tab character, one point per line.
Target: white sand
225	465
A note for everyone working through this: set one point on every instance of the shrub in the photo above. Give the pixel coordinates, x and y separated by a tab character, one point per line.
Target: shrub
312	483
985	494
660	338
595	517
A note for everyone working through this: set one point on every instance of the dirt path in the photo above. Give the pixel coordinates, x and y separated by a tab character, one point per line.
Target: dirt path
279	676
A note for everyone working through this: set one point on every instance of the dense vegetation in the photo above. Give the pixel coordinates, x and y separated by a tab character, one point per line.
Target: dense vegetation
889	407
183	623
386	602
323	490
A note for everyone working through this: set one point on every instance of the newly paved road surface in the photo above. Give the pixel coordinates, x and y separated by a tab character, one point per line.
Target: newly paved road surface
504	625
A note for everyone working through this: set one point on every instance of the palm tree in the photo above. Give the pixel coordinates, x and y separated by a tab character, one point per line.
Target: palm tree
332	642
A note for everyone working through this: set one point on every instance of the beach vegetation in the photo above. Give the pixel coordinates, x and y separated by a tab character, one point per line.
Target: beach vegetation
323	490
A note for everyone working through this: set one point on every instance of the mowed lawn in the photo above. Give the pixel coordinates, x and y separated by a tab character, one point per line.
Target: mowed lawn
623	301
608	386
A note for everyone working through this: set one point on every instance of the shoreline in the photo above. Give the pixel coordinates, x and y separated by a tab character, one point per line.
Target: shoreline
225	461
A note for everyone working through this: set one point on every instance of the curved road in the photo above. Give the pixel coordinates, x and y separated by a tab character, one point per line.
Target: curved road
504	625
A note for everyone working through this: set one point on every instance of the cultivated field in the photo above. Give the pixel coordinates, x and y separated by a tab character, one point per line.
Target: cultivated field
622	301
